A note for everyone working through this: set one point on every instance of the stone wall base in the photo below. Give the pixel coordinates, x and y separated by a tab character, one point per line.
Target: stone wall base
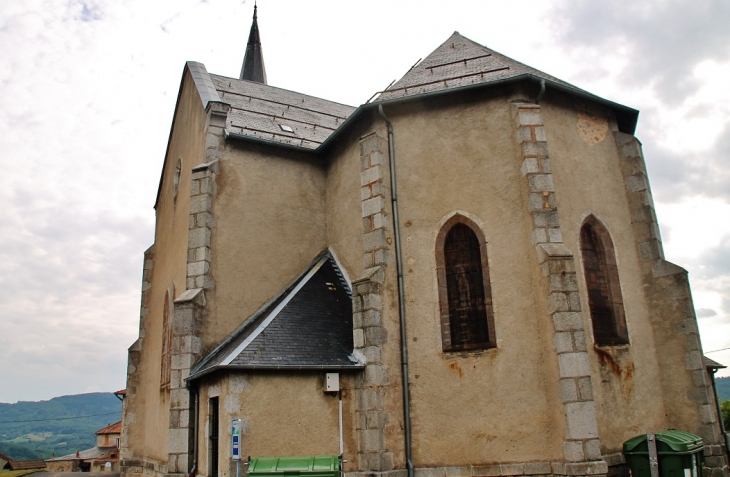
374	473
524	469
716	462
143	468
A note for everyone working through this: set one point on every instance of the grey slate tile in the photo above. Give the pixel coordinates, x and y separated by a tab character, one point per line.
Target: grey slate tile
313	329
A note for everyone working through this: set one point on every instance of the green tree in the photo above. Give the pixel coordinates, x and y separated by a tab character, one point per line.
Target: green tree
725	408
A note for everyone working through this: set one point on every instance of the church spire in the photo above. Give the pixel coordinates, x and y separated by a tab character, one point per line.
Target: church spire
253	62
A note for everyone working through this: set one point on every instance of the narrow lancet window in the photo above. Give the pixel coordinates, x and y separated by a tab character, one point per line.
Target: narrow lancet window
465	294
166	355
602	284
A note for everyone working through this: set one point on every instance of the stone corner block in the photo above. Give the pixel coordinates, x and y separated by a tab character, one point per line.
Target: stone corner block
586	468
581	420
549	251
211	165
375	274
662	268
194	296
512	469
486	470
537	468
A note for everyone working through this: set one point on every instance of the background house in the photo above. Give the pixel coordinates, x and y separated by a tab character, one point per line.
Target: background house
95	458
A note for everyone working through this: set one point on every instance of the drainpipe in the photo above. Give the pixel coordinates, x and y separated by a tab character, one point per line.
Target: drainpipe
401	299
194	465
542	91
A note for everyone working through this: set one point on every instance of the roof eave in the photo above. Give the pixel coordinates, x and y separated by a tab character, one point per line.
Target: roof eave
274	367
628	122
632	113
269	142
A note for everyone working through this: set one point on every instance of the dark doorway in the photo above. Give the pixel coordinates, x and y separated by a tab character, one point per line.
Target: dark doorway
213	436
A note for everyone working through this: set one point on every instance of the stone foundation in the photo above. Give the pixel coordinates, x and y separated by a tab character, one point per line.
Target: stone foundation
143	468
526	469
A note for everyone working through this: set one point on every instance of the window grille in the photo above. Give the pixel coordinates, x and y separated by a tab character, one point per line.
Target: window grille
602	283
467	321
166	358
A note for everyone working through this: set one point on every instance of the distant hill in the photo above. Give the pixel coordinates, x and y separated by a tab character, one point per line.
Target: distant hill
723	388
36	430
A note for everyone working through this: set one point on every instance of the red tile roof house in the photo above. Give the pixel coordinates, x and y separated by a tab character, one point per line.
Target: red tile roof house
94	459
6	463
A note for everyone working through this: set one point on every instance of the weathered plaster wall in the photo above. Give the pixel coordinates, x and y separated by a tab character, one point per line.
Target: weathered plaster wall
147	403
107	440
283	414
269	225
588	180
497	405
343	198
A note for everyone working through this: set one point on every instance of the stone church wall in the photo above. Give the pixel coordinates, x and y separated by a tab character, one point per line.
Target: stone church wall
458	156
278	411
146	449
269	214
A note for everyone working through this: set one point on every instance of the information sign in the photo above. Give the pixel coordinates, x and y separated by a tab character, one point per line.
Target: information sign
236	439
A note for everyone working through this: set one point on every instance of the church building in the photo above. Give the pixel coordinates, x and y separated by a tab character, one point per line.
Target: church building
461	277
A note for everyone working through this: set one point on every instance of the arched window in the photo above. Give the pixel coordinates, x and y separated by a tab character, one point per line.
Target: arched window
467	321
176	181
602	283
166	358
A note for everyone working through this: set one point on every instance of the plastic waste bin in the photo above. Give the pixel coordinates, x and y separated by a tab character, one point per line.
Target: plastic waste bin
311	466
678	454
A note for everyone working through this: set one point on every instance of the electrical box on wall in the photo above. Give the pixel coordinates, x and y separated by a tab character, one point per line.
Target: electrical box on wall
331	382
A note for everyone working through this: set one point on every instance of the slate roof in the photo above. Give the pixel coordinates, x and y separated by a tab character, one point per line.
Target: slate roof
263	113
712	364
459	62
259	111
306	326
94	453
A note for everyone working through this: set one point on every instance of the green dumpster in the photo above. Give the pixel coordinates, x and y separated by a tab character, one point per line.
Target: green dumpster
312	466
678	453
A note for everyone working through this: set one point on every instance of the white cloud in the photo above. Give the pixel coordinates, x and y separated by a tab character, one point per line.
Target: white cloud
88	87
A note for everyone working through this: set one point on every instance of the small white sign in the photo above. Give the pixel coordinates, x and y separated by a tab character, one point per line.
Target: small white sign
236	439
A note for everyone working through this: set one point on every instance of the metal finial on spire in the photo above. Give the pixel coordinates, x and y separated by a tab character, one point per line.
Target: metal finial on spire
253	62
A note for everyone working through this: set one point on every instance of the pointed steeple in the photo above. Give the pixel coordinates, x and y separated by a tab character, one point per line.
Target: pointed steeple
253	62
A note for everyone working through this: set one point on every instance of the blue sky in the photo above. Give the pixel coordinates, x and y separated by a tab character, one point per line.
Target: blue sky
87	91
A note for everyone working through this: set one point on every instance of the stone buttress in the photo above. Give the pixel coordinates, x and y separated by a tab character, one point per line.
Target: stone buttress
189	311
673	316
376	447
581	447
128	465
